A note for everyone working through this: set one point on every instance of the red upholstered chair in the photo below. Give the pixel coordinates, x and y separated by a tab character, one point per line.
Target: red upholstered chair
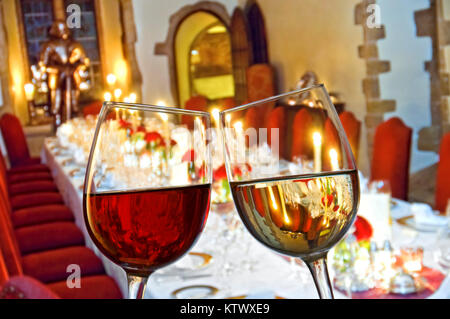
277	120
50	266
260	82
195	103
15	141
92	108
391	156
352	128
303	126
443	175
227	103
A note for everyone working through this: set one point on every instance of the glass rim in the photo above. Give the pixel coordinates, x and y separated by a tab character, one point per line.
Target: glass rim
154	108
271	99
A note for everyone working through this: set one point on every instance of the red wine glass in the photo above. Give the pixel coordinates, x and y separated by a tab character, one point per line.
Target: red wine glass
147	186
293	176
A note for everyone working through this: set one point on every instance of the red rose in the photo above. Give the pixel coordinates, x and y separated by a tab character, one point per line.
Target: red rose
363	229
327	200
153	137
124	124
188	156
140	129
220	173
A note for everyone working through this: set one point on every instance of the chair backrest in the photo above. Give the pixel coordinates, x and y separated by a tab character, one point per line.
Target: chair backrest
8	243
92	108
4	276
302	129
443	175
3	178
260	82
352	128
227	103
277	120
194	103
14	138
391	156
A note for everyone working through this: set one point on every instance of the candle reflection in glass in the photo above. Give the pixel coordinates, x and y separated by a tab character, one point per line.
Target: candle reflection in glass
317	141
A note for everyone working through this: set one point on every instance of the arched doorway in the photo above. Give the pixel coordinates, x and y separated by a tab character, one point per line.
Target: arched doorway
213	12
203	58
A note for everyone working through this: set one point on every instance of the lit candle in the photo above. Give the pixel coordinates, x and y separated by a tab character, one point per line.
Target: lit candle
165	119
117	94
107	96
228	120
111	79
334	160
29	91
160	103
133	97
317	140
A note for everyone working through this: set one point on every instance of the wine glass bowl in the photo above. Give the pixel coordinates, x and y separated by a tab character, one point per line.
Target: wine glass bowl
147	186
301	198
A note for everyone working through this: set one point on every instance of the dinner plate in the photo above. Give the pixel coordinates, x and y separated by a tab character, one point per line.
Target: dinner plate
409	221
192	262
194	292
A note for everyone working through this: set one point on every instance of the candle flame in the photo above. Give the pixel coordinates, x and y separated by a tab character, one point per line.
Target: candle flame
29	91
215	114
317	139
107	96
133	97
334	159
238	126
117	93
111	79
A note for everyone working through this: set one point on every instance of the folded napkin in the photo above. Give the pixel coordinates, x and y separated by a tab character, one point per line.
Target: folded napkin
423	214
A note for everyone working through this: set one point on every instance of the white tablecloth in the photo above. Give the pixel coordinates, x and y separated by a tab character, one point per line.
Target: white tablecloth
253	270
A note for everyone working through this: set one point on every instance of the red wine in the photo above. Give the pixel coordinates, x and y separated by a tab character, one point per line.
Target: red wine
300	216
144	230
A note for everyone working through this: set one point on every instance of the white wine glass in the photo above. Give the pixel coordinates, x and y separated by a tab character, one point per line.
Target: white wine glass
300	209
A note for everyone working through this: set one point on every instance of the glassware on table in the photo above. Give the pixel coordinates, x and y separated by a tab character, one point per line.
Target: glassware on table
442	250
147	187
298	212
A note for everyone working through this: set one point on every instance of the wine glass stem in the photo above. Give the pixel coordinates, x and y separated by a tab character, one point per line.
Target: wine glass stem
136	286
319	271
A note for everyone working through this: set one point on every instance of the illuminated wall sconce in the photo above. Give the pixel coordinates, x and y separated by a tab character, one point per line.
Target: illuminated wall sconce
29	95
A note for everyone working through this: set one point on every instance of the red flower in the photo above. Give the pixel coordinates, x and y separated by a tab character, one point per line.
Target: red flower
201	171
188	156
327	200
237	170
140	129
153	137
363	229
124	124
220	173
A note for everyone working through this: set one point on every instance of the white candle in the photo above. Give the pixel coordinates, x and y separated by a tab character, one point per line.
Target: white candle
317	141
117	94
165	119
215	114
334	160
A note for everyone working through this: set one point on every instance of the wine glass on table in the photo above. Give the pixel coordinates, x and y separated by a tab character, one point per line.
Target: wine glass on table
291	208
147	186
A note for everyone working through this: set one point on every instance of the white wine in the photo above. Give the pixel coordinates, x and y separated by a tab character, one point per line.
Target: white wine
301	216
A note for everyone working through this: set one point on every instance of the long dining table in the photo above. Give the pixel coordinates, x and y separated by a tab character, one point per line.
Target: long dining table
226	262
